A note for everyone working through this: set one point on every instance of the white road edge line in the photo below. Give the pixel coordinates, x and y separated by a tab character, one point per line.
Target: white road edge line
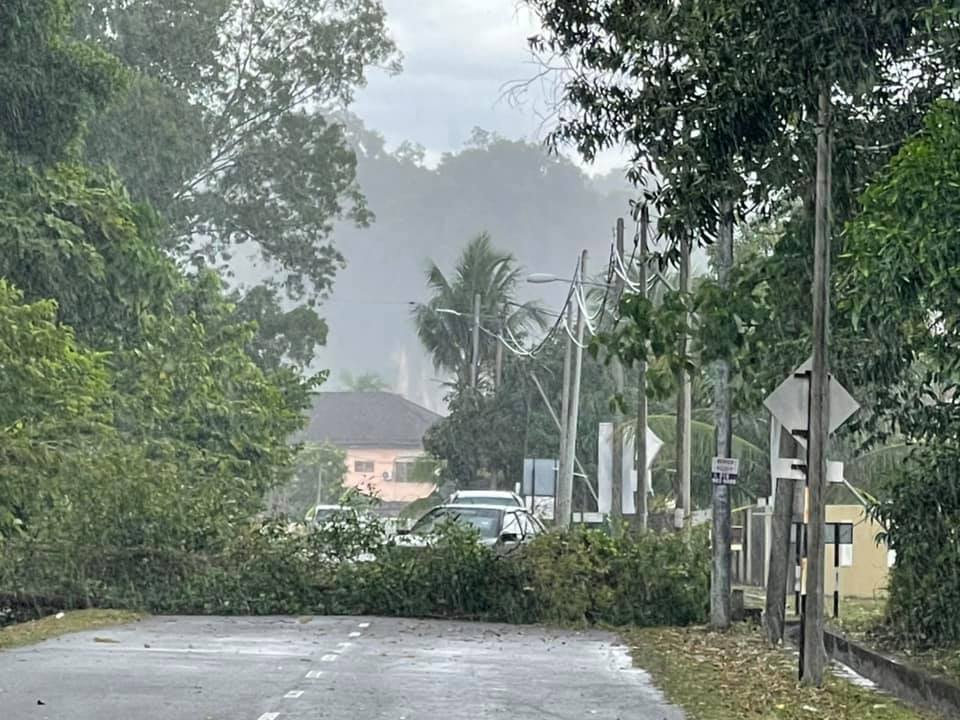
355	634
269	716
329	658
344	645
314	674
293	694
363	625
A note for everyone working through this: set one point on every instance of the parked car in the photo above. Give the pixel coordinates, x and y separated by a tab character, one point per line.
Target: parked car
500	527
320	515
486	497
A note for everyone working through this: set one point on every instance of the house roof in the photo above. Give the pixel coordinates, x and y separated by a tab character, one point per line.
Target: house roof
367	420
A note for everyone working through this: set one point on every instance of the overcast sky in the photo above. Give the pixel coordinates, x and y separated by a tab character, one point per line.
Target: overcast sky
459	56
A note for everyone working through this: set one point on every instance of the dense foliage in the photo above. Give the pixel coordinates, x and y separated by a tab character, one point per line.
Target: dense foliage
576	578
135	414
901	286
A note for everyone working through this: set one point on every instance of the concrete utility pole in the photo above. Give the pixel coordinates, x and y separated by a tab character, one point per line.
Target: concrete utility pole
567	320
565	493
319	484
475	357
720	577
616	480
814	655
641	434
684	396
498	373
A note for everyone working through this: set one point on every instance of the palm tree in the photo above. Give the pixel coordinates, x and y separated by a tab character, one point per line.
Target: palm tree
445	321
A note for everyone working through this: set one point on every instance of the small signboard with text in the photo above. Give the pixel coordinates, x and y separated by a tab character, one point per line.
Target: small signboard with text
724	471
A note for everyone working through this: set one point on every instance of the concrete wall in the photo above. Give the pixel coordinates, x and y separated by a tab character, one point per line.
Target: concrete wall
384	461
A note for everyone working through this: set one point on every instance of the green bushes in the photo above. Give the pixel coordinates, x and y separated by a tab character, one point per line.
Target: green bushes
922	512
640	579
574	578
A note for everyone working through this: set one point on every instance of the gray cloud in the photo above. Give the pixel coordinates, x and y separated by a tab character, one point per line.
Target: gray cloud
458	57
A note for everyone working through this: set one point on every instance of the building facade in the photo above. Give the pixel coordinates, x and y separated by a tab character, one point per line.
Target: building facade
382	435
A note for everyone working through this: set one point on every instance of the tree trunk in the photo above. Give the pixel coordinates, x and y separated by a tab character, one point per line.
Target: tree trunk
774	612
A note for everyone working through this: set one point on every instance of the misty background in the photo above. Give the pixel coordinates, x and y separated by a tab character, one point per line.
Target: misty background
450	147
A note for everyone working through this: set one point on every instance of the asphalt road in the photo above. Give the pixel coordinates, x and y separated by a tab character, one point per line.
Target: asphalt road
192	668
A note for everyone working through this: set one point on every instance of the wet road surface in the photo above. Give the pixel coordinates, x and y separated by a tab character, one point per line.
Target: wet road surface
271	668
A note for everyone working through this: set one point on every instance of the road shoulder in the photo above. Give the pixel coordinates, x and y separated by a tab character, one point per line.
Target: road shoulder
51	626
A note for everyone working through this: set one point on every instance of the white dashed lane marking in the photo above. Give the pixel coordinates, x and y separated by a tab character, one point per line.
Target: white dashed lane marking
315	674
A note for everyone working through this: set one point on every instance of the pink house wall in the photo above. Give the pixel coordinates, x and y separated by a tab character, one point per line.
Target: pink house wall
384	460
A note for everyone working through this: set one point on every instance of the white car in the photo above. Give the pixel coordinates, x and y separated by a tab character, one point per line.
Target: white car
499	498
498	525
322	514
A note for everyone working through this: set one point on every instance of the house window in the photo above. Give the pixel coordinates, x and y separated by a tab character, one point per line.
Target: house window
403	470
363	466
842	532
845	530
831	530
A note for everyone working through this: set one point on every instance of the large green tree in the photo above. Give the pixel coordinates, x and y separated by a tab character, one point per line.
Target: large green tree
241	89
225	131
900	287
135	416
50	84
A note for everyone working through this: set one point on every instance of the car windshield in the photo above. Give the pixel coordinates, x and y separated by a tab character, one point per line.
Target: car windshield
499	500
485	520
326	513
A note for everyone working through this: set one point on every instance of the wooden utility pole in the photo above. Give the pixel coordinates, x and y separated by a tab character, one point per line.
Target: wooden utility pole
781	526
565	491
814	655
684	396
640	440
616	480
720	577
475	356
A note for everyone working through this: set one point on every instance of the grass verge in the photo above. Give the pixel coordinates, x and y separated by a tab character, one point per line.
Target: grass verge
51	626
734	675
858	616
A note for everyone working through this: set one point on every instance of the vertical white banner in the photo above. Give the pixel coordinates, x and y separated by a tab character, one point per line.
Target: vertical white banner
605	472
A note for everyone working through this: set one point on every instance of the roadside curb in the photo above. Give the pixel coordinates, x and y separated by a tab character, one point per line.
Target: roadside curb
906	682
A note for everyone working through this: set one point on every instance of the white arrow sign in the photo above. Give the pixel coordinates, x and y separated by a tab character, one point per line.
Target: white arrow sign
790	402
